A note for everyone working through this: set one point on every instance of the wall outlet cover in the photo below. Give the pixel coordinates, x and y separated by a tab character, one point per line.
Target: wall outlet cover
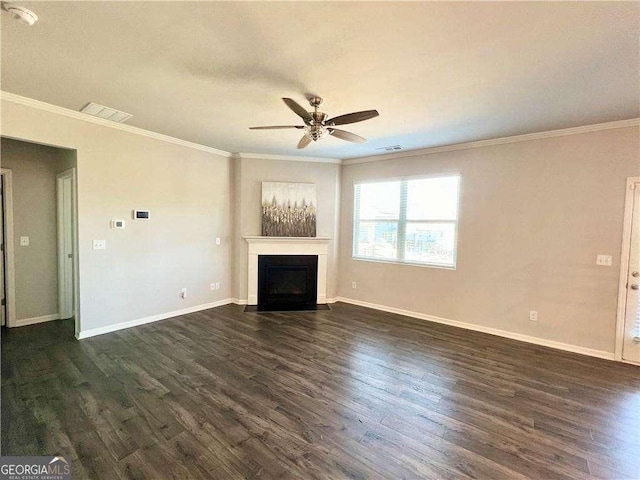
24	241
604	260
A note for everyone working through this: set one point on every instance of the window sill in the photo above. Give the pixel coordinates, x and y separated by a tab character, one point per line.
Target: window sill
410	264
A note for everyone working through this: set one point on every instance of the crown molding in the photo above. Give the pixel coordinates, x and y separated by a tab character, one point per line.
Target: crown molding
287	158
633	122
30	102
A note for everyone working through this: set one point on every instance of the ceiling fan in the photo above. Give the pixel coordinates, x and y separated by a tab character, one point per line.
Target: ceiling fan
317	126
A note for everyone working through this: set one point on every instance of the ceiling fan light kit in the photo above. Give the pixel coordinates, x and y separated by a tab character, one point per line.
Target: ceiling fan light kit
316	126
316	132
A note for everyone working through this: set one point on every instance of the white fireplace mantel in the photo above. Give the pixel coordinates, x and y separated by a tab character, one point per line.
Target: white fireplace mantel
287	246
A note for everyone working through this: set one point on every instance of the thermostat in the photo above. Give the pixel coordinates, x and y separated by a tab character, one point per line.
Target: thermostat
117	223
141	215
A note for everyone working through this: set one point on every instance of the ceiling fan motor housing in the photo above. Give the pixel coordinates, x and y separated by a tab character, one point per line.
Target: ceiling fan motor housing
318	117
316	129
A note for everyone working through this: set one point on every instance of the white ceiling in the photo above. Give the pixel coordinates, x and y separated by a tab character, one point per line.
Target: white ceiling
438	72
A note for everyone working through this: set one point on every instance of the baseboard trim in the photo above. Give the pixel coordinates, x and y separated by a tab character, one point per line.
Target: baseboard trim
238	301
637	364
408	313
153	318
33	320
479	328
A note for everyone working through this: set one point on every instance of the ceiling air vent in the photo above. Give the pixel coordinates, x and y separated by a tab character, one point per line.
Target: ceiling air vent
107	113
391	148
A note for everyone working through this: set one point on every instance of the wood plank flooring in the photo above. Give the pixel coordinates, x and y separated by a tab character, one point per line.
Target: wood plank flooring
350	393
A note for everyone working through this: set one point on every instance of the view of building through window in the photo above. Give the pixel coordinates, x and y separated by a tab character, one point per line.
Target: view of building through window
409	220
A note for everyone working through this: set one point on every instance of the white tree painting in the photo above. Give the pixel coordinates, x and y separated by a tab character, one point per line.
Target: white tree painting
288	209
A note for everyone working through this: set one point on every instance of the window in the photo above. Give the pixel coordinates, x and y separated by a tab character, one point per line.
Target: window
407	221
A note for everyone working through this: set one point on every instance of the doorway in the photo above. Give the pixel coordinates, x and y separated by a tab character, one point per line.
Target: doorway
3	289
39	278
628	334
7	279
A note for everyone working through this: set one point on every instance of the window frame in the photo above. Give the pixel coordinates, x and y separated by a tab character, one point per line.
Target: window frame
402	221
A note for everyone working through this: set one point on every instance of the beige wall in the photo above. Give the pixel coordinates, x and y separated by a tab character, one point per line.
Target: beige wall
144	266
250	173
33	170
533	217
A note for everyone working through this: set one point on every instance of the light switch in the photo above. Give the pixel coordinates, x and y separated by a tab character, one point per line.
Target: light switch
604	260
99	244
217	240
24	241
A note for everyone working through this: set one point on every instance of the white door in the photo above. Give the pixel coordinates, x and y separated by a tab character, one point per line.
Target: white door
631	342
65	244
2	247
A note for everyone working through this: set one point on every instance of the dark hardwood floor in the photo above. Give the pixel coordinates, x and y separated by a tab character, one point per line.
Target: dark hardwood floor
348	393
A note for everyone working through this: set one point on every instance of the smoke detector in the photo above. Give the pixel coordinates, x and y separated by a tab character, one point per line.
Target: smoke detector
21	14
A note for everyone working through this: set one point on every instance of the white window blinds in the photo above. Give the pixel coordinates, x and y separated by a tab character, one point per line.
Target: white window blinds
407	221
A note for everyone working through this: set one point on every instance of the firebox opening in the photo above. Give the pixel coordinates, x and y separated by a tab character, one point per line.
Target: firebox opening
287	282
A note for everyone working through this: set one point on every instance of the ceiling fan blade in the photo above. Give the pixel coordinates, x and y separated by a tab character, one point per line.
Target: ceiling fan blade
298	109
352	117
275	126
348	136
304	141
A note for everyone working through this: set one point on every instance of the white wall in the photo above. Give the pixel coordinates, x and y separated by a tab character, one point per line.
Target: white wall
250	173
144	266
533	217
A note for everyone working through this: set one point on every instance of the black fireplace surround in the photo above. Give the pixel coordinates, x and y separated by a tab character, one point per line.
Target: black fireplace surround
287	282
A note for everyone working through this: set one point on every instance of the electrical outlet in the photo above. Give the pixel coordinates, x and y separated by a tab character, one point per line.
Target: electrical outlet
24	241
212	286
217	285
99	244
183	293
217	240
354	285
533	316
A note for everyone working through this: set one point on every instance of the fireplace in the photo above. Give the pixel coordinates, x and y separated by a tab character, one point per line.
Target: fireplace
287	247
287	282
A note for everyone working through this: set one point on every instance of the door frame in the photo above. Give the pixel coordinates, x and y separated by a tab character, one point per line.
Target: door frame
9	263
62	291
624	266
